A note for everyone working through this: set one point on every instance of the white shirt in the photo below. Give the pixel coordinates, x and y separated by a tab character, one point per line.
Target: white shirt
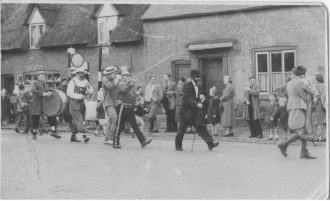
148	92
196	87
80	83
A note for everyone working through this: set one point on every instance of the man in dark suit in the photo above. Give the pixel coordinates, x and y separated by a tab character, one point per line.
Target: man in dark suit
188	112
169	88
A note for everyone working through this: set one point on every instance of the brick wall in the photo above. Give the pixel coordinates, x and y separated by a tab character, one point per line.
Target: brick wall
18	63
303	27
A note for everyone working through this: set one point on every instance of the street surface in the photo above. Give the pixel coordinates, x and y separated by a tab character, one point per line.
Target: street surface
58	169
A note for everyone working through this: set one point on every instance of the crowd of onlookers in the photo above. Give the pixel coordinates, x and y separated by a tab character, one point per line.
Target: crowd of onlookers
166	97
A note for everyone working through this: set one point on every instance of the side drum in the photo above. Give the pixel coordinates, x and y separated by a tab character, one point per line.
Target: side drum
55	104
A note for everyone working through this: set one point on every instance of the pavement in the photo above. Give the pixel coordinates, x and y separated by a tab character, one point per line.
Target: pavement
58	169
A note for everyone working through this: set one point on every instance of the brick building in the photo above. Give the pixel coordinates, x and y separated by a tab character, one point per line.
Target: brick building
240	40
37	37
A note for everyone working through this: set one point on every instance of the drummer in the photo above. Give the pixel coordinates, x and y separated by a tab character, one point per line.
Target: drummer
38	90
78	88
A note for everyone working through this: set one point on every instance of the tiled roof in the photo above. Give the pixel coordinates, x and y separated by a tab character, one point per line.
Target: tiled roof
67	24
163	11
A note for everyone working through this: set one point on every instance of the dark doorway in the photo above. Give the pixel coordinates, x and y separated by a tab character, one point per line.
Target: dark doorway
7	82
181	68
212	74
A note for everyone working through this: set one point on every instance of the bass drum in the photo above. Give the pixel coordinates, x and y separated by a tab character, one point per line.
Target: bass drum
55	104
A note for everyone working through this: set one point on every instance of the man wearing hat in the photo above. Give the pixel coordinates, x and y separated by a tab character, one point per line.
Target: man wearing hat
78	88
110	90
188	112
125	110
38	90
299	107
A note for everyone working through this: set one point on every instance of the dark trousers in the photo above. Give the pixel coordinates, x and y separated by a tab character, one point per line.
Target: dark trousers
52	121
201	130
170	117
255	127
126	113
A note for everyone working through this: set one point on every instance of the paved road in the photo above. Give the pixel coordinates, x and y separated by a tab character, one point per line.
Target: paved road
57	169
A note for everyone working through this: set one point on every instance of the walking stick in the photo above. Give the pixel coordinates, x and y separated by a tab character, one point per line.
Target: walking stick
192	146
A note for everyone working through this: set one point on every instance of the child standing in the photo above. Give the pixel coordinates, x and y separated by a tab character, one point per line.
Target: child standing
213	116
202	113
281	116
271	109
100	113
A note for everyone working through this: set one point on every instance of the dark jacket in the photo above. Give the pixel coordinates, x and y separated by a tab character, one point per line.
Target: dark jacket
126	93
37	89
188	111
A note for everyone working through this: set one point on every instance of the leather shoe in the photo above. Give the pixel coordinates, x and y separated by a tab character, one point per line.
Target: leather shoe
116	146
229	135
307	156
252	136
74	139
17	130
55	135
86	139
145	143
156	131
211	146
178	148
259	136
283	148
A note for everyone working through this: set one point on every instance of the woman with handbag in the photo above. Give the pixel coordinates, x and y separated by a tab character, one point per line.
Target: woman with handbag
226	107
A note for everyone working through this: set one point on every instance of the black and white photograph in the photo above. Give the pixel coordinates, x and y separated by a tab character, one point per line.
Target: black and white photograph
164	100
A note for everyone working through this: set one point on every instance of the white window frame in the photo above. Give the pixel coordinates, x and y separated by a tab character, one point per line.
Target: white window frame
37	34
256	67
106	31
269	67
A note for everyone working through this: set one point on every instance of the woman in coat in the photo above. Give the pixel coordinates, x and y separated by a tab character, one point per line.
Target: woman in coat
228	113
251	111
178	101
319	115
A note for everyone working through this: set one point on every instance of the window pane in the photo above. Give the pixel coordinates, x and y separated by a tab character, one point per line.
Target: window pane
33	36
262	63
263	82
41	30
289	61
277	80
276	62
112	22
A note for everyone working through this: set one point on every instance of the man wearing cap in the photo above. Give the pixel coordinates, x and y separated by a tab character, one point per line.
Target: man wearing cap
125	110
78	88
188	112
299	107
110	90
38	90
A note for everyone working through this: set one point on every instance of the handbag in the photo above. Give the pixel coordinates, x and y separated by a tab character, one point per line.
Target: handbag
221	107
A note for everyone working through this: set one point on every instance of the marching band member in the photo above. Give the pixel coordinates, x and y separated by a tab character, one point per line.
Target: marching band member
38	90
299	91
110	90
78	88
188	112
125	110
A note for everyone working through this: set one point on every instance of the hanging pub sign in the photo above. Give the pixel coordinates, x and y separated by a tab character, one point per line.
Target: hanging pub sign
77	60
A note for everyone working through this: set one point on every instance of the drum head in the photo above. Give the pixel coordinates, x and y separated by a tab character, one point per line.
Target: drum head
53	104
